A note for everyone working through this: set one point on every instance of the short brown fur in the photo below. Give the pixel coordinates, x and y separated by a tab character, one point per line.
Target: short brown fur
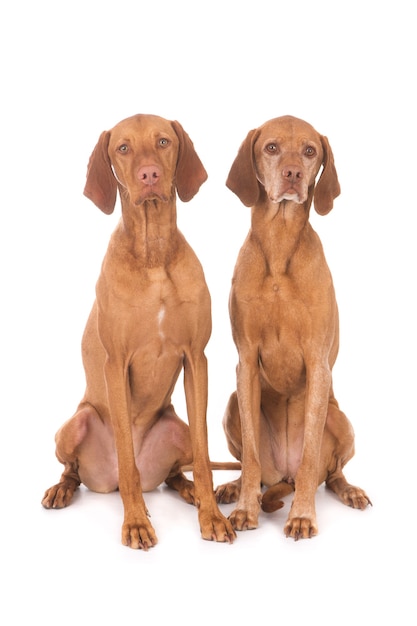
150	320
284	423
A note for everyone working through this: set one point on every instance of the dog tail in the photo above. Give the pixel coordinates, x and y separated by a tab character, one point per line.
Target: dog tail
271	499
217	465
225	465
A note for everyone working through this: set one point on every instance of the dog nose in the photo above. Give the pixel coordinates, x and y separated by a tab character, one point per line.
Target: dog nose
292	173
149	174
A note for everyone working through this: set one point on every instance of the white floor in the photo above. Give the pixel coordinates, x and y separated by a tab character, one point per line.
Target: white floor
69	566
68	74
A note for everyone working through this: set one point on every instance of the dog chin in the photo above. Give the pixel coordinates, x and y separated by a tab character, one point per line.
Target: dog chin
149	197
292	196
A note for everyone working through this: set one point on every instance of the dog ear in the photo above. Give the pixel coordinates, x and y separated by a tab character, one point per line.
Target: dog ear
242	178
190	173
101	185
327	188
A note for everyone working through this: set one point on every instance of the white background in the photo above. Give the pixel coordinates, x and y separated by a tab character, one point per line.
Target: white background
71	70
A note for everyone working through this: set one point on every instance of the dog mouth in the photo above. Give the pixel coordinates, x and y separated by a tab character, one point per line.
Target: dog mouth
290	191
277	196
151	194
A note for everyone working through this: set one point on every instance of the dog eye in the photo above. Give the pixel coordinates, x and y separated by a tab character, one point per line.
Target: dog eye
310	151
272	148
163	142
123	148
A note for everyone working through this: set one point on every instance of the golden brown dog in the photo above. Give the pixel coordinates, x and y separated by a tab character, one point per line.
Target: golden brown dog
283	422
151	318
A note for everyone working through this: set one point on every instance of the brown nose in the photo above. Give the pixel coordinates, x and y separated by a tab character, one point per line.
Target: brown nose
292	173
149	174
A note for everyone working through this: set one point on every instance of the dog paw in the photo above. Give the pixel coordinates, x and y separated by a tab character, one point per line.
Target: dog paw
218	528
60	495
185	487
139	536
241	519
355	497
348	494
227	493
300	528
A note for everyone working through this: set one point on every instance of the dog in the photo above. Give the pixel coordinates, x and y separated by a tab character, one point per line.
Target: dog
283	422
151	319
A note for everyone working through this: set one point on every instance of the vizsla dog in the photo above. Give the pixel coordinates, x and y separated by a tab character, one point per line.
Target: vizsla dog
151	318
284	423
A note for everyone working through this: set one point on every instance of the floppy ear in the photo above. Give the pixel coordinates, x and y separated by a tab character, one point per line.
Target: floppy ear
101	185
327	188
190	173
242	178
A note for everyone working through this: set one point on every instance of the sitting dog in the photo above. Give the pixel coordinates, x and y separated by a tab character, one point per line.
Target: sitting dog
283	422
150	320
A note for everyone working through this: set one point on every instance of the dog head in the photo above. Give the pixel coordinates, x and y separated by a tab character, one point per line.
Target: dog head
282	159
147	158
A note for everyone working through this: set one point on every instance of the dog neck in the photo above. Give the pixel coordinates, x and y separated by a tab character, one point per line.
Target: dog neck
280	229
150	231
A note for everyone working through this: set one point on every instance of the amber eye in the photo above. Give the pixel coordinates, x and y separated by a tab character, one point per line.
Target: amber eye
272	148
310	151
163	142
123	148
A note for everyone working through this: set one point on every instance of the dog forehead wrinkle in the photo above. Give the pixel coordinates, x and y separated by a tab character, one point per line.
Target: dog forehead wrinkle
287	128
140	127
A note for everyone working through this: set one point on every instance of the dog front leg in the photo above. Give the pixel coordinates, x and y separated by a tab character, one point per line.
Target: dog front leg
137	531
301	522
213	525
245	516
